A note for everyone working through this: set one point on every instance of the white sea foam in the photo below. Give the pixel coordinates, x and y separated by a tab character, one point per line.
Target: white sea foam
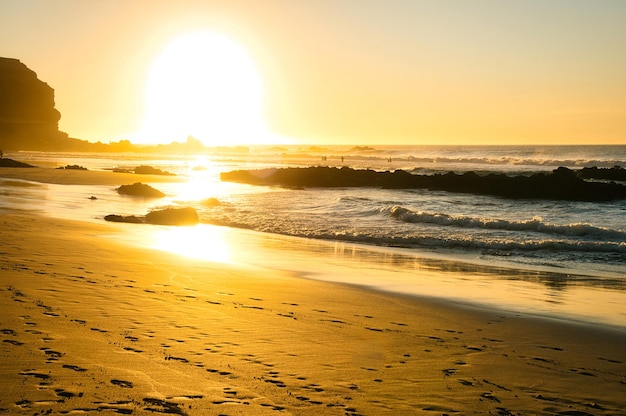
536	224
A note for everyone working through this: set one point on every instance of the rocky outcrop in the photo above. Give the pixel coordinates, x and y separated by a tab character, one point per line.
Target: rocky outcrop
140	189
28	117
72	167
10	163
30	121
616	173
173	216
131	219
561	184
167	216
149	170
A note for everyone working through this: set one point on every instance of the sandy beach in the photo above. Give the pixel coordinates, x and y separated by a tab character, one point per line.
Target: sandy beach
92	325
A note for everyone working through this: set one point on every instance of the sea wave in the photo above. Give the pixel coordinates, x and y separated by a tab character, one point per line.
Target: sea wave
536	224
568	248
516	161
454	162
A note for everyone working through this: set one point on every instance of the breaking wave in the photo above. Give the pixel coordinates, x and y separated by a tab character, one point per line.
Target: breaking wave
536	224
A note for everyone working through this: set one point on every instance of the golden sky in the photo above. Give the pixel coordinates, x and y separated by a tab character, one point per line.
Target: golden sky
329	71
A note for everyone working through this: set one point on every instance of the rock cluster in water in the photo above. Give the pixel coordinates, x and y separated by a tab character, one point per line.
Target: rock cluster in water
72	167
561	184
166	216
616	173
144	170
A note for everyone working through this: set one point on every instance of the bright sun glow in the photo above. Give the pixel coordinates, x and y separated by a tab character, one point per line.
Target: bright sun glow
204	85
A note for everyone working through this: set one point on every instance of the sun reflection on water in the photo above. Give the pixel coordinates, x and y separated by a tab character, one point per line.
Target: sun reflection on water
199	242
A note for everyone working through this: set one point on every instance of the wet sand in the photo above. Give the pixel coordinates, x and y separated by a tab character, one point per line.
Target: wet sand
91	325
81	177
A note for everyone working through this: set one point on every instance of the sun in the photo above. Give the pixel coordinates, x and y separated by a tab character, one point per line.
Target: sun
203	85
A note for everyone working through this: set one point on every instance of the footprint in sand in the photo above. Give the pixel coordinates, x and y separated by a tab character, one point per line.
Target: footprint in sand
610	360
490	396
582	372
122	383
221	373
162	406
501	387
74	367
277	383
375	329
473	348
51	355
551	348
334	321
172	358
66	394
34	374
98	330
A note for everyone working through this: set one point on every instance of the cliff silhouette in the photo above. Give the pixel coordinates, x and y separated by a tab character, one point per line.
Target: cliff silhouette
30	121
28	117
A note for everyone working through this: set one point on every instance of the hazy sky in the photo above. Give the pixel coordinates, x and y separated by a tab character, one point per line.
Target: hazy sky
345	71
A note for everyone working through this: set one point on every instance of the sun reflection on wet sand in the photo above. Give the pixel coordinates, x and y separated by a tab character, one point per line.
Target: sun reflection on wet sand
536	292
200	242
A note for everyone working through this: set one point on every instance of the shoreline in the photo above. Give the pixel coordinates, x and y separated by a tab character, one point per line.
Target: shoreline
93	324
548	293
477	284
139	329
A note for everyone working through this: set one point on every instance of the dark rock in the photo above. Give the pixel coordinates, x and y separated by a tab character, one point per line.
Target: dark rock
562	184
616	173
123	170
10	163
121	218
72	167
28	117
167	216
149	170
140	189
173	216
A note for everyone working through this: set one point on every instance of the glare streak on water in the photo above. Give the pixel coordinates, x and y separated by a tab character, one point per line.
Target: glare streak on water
557	257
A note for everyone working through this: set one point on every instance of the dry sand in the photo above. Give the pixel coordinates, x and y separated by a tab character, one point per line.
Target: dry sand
88	325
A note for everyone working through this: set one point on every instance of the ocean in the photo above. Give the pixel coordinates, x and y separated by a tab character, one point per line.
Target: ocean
557	247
